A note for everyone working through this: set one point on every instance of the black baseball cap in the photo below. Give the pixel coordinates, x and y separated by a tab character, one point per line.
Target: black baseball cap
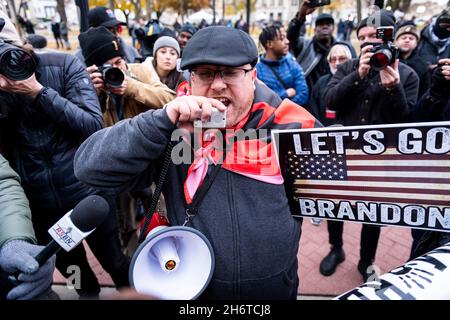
102	16
325	17
219	45
189	28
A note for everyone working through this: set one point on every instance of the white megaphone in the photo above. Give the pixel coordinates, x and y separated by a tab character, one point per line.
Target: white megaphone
173	263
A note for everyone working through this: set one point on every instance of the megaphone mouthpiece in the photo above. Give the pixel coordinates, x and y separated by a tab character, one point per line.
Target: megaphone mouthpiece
165	252
173	263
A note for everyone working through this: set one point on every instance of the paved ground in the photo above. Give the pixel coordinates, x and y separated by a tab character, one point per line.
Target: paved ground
393	250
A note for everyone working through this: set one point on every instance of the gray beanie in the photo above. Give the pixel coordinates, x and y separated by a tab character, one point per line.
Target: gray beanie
166	41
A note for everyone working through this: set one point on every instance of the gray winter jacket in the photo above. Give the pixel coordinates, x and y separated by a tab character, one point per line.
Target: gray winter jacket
15	214
248	222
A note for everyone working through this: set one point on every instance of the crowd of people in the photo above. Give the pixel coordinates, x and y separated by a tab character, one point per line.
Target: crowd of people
99	122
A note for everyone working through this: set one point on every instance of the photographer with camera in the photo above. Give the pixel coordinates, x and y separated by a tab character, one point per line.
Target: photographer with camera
374	89
435	41
124	91
49	107
102	16
434	104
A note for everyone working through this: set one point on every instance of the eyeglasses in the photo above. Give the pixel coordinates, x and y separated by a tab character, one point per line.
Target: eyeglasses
229	76
338	59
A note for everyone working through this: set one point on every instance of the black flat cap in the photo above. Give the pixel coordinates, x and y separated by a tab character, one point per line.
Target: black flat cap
219	45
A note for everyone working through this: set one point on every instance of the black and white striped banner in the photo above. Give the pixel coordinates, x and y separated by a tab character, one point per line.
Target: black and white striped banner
424	278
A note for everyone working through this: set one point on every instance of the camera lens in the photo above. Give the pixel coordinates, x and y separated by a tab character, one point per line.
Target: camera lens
114	77
380	59
17	64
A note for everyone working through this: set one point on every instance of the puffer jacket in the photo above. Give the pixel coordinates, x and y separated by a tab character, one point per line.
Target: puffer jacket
48	131
15	214
248	222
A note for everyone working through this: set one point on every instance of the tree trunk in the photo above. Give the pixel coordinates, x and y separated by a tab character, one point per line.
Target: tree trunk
61	8
405	5
148	8
126	17
359	10
137	8
13	11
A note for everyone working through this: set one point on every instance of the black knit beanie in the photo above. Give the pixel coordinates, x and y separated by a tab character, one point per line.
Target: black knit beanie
387	19
98	45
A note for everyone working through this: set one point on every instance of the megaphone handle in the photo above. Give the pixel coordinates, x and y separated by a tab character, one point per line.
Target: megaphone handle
158	189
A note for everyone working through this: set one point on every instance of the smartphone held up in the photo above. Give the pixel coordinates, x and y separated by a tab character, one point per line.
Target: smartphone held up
318	3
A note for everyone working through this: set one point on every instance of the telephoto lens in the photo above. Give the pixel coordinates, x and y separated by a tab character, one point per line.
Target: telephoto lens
112	76
381	59
16	63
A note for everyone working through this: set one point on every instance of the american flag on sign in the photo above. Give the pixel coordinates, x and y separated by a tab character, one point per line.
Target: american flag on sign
420	179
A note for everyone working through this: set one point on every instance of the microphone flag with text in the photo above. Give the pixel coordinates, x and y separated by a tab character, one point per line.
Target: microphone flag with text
67	233
75	225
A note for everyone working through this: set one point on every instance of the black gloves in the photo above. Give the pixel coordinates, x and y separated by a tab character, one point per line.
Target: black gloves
440	87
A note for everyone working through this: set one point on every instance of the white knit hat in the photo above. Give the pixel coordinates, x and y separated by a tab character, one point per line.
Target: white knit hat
9	32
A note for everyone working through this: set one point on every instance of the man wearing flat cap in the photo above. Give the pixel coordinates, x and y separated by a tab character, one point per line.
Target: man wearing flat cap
406	39
238	203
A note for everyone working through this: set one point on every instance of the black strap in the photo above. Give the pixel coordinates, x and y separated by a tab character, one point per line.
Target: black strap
198	197
201	193
158	189
278	76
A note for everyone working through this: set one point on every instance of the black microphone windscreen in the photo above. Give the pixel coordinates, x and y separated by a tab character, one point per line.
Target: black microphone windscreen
89	213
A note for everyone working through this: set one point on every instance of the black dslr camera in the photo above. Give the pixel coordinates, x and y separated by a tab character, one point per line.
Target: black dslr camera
384	54
15	63
112	76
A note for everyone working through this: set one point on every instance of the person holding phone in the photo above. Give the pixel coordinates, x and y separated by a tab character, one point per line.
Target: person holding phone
244	212
311	53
